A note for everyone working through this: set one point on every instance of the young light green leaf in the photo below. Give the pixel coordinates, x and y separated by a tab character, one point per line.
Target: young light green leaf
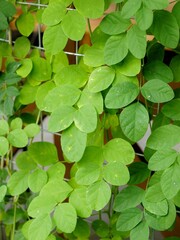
87	9
144	17
171	109
73	143
74	25
128	219
4	146
159	208
162	159
85	118
113	23
65	217
56	171
119	150
170	181
158	70
4	127
41	205
136	39
16	123
37	180
59	61
40	228
32	130
115	49
134	120
25	162
43	153
165	28
51	38
54	13
18	138
18	182
27	94
121	95
130	8
98	195
141	231
25	68
25	24
94	55
100	79
79	201
124	199
157	91
61	118
154	192
3	190
21	47
161	223
116	173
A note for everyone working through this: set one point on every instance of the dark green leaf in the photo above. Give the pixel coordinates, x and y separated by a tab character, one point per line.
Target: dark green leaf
175	12
174	65
3	22
172	109
139	172
101	228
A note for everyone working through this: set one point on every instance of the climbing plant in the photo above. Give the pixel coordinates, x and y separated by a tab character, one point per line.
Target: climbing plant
122	88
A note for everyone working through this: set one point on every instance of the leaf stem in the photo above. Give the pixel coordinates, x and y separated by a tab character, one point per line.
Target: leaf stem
89	27
2	162
14	218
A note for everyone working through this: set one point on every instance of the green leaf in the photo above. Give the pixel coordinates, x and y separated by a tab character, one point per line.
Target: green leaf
124	199
4	146
162	159
61	118
98	195
175	12
134	120
176	199
18	138
79	201
156	4
43	153
3	22
164	137
65	217
61	95
54	13
21	47
4	127
18	182
158	70
85	118
121	95
87	9
58	190
141	231
94	55
170	181
115	49
174	65
113	23
37	180
39	76
25	68
42	92
128	219
165	28
41	205
154	192
32	130
27	94
73	75
101	228
130	8
116	173
40	228
82	229
3	190
161	223
25	24
119	150
160	120
74	25
144	17
129	60
51	38
139	172
100	79
59	61
157	91
136	39
171	109
159	208
25	162
7	8
56	171
89	167
73	143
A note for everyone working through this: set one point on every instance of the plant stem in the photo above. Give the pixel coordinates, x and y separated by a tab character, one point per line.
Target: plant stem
2	162
14	218
100	215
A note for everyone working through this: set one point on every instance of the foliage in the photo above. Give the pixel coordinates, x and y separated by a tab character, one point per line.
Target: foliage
100	108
